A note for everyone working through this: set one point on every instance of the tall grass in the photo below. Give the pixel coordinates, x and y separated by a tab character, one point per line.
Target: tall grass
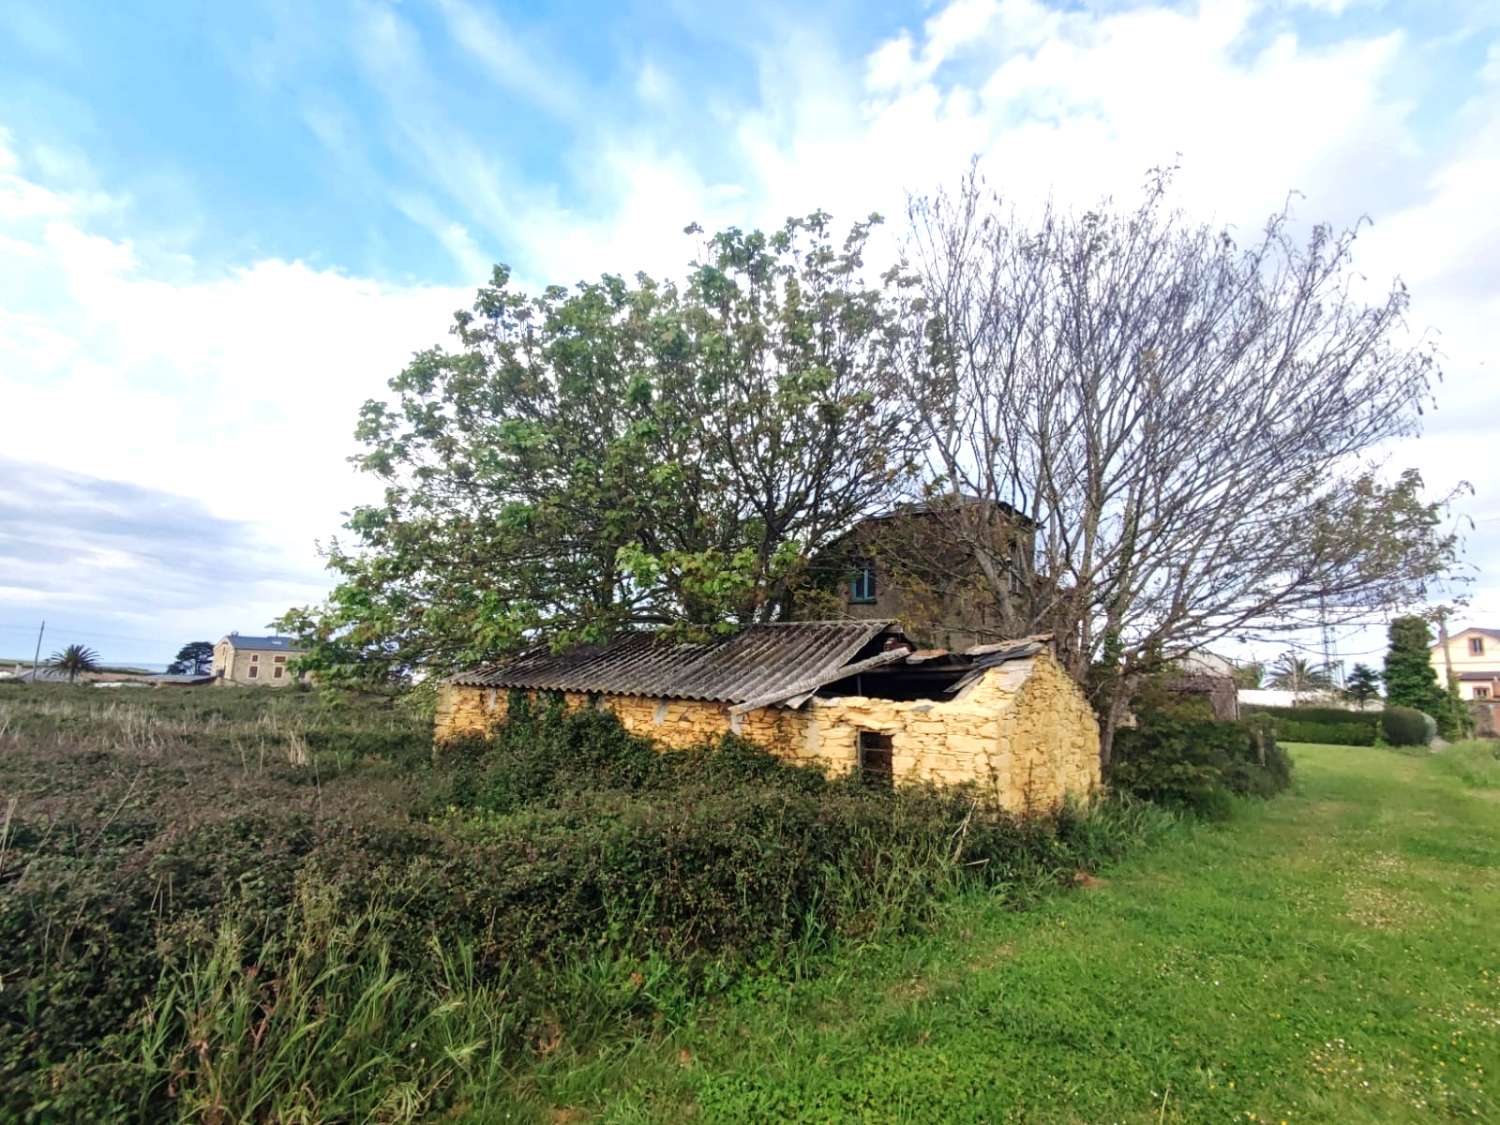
1475	764
334	1032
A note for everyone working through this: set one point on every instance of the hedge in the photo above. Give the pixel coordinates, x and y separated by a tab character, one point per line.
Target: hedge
1331	725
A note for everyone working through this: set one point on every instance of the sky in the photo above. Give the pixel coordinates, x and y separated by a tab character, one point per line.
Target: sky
223	227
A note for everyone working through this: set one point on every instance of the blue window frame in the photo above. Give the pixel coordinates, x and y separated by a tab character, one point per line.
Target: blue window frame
862	586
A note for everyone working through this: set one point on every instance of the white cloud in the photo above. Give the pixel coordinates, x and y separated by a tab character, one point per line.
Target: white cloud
138	365
239	388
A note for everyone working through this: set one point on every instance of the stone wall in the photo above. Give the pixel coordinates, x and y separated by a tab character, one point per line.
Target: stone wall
1023	730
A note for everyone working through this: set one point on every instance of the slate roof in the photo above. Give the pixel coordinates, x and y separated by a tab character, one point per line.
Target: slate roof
756	662
262	644
1478	677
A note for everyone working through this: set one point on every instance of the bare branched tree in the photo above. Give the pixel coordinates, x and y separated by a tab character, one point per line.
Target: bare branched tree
1189	422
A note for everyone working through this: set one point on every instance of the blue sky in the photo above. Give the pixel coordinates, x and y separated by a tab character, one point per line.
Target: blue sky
223	226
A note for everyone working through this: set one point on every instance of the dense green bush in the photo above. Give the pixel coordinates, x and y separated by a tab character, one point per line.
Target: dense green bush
1332	725
217	925
1199	764
1406	726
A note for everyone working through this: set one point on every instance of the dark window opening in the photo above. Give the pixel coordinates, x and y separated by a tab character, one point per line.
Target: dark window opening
1481	693
875	759
1476	646
862	586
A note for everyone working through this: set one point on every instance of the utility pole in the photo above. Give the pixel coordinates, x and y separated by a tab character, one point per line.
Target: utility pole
1442	623
38	656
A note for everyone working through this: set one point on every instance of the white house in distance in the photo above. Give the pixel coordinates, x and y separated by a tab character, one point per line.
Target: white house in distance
255	661
1475	658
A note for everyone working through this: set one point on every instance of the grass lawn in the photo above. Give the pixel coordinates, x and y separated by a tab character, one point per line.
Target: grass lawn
1331	955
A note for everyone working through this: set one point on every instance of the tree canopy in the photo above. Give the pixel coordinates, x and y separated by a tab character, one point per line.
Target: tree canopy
1190	424
622	454
1411	678
194	658
1363	684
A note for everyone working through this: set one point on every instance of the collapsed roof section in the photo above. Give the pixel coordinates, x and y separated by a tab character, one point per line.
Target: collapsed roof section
761	666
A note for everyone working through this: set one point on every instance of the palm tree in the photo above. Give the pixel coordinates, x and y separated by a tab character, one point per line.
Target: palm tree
1292	673
75	659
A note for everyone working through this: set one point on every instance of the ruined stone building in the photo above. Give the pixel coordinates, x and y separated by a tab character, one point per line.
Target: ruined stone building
953	573
850	695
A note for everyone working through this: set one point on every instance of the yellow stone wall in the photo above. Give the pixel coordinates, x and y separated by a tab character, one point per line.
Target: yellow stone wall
1023	730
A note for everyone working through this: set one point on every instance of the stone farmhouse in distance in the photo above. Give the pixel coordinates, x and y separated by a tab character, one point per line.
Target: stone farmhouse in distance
255	661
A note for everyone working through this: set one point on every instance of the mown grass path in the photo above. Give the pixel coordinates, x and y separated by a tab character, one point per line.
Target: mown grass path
1332	955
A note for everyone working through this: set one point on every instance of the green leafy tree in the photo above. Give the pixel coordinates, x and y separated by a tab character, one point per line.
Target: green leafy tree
1292	673
1411	679
194	658
1249	675
73	660
623	454
1363	684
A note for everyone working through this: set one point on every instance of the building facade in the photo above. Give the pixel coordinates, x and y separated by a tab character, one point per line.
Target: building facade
953	574
1474	656
842	695
256	661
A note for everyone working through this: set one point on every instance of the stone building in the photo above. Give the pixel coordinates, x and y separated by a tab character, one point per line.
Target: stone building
255	661
954	572
846	695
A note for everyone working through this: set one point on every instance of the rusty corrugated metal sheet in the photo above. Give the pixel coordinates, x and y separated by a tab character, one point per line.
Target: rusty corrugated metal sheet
752	663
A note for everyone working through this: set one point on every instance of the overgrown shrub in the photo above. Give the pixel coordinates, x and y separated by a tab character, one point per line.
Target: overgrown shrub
1406	726
1199	764
198	920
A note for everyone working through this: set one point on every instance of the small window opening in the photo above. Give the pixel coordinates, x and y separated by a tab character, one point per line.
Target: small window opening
1481	693
862	586
1476	646
254	671
875	759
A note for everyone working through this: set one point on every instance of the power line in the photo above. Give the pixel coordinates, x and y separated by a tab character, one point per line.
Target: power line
89	633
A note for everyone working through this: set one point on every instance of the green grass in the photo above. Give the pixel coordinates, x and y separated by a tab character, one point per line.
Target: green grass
1331	955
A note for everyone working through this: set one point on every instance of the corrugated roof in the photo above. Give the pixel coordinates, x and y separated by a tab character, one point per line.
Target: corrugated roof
755	662
262	644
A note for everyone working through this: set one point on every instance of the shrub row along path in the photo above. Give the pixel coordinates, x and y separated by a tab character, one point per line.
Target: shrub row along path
1331	955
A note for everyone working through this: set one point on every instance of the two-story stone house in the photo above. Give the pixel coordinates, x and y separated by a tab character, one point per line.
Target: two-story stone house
953	573
255	661
1474	656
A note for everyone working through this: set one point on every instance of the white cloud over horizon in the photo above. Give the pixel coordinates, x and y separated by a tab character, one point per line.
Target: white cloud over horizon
236	383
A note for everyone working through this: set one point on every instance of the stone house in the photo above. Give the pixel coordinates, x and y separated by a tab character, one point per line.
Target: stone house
255	661
934	567
849	695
